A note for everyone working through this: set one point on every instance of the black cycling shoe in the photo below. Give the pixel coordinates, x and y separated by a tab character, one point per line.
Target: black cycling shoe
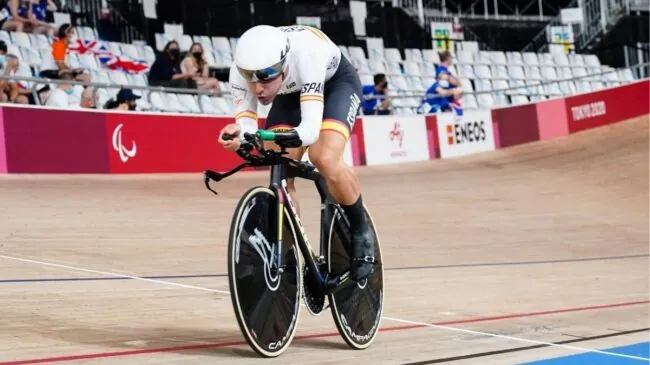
363	251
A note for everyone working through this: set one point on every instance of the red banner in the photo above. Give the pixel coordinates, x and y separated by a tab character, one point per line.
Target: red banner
145	143
54	141
607	106
516	125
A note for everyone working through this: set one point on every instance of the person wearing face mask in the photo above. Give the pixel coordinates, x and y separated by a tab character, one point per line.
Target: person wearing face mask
166	70
374	101
62	96
194	63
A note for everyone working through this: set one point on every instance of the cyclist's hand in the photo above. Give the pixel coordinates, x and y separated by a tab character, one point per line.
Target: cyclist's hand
233	143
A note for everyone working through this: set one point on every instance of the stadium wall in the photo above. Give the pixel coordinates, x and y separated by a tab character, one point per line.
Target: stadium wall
39	140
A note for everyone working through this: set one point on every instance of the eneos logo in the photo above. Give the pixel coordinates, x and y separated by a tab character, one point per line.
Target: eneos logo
125	153
464	132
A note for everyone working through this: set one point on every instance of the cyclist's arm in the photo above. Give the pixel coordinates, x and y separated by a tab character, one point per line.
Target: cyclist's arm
311	71
244	101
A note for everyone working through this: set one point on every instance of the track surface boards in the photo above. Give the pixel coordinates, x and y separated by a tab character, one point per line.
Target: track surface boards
540	243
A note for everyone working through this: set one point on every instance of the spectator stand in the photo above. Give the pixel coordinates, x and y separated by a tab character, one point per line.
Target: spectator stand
488	78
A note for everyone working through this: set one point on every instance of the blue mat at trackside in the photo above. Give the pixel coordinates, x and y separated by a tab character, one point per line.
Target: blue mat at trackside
592	358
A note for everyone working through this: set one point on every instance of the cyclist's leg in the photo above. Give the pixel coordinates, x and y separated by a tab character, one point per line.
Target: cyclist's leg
342	101
284	115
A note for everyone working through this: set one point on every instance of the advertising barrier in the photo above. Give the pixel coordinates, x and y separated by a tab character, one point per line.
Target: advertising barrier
3	156
42	140
607	106
142	143
469	134
551	119
54	141
516	125
391	139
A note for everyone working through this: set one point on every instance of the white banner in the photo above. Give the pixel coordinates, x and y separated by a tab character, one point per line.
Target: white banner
442	36
562	35
469	134
395	139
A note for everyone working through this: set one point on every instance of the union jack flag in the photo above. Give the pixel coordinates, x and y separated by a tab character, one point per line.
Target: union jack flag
119	63
107	58
83	46
456	107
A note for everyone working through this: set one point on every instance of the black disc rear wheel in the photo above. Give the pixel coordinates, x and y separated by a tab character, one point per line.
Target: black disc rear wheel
357	307
266	298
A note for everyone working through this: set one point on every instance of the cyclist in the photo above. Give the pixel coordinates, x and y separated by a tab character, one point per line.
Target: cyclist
315	95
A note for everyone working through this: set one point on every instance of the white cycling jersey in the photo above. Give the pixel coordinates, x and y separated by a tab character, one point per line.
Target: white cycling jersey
312	60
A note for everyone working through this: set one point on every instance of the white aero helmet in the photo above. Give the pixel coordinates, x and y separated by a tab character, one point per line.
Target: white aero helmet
261	53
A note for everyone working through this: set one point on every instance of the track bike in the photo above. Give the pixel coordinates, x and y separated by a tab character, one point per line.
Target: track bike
266	243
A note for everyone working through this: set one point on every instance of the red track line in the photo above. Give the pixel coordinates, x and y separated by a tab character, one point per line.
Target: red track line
305	337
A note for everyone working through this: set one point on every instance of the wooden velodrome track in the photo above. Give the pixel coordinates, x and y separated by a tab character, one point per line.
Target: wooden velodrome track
510	250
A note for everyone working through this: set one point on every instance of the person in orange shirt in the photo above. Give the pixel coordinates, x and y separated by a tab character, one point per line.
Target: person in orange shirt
59	54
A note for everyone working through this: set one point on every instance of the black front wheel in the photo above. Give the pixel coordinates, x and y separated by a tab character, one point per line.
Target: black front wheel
265	297
356	307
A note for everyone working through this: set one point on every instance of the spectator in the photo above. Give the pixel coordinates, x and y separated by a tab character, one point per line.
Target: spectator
194	63
53	70
374	97
14	15
166	71
442	96
3	64
445	64
38	14
16	91
88	98
125	100
61	96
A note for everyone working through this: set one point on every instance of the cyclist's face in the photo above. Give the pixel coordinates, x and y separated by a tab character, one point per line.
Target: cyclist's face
266	91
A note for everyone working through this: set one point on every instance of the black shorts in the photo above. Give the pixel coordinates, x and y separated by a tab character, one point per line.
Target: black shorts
341	98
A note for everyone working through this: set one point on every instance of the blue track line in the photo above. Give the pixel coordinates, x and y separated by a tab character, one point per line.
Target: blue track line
485	264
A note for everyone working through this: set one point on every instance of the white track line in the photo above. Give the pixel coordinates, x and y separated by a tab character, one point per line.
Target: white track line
106	273
170	283
515	338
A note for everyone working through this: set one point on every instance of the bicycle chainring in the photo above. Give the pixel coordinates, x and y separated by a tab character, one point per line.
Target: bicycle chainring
314	297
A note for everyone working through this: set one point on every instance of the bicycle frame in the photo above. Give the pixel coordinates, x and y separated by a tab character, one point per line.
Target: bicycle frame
279	174
283	168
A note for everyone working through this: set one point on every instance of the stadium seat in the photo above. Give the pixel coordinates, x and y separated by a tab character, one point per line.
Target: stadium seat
431	56
485	101
376	65
514	58
224	107
411	68
498	58
483	71
464	57
466	70
499	72
483	85
469	102
516	72
530	59
519	99
130	51
413	54
189	102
